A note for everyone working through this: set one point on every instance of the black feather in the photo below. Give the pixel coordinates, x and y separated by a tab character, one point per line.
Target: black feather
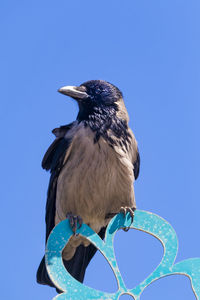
104	122
49	156
136	166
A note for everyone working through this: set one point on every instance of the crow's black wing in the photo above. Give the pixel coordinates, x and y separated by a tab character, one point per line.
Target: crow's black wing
56	166
53	161
136	166
56	149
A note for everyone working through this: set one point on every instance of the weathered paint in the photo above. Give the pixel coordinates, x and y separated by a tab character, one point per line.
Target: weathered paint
144	221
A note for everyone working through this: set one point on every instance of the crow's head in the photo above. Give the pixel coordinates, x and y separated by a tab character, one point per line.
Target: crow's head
93	96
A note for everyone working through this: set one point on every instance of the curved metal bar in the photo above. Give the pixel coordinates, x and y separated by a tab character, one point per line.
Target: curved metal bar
144	221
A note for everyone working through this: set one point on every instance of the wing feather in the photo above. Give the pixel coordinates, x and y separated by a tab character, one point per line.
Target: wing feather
136	165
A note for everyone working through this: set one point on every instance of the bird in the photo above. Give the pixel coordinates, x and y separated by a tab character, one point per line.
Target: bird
93	162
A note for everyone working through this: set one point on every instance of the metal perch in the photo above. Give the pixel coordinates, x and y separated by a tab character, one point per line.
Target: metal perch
144	221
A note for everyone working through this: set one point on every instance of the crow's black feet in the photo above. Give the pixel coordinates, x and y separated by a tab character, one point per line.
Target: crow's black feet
124	211
74	221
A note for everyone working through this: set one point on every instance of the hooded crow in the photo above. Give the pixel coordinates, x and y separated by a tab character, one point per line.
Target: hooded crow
93	163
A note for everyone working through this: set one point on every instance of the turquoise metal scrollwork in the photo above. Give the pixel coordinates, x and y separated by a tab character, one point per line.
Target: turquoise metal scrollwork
144	221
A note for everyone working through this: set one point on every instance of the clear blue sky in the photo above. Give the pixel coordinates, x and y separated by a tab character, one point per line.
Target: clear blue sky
151	51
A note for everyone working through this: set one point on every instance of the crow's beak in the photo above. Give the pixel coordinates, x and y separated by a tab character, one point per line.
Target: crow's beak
76	92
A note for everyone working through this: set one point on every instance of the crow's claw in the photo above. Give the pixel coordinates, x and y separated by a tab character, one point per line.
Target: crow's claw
74	220
124	211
